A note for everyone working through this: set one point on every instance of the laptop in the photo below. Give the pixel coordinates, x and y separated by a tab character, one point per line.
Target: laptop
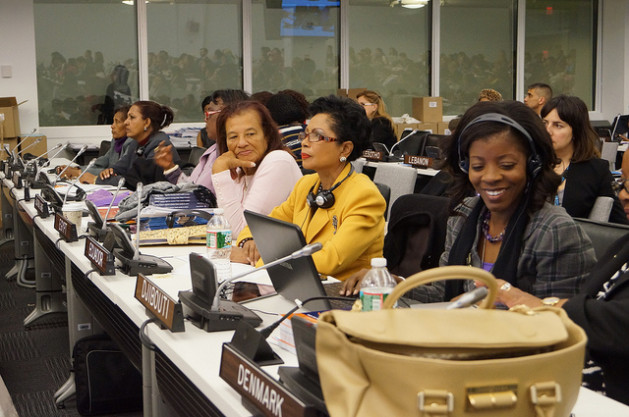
304	380
297	278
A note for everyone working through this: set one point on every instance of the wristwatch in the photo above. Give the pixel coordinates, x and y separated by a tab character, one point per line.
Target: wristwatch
550	301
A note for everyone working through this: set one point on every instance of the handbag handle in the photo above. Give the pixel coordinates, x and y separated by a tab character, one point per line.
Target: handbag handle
445	273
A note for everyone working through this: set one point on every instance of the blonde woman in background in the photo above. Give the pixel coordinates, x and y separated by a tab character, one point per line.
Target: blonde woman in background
381	123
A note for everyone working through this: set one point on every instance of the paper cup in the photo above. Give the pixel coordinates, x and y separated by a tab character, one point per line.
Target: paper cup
74	213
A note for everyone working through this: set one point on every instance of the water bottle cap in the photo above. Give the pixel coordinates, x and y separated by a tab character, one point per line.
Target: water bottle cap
378	262
218	210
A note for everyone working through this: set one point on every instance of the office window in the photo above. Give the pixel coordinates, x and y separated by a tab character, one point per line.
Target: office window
295	46
477	51
86	60
389	51
194	48
561	46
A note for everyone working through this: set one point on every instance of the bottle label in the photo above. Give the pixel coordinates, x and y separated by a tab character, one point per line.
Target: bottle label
372	300
219	239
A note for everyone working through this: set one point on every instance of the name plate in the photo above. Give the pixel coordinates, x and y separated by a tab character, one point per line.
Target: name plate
161	305
261	391
372	155
41	206
418	161
100	257
66	229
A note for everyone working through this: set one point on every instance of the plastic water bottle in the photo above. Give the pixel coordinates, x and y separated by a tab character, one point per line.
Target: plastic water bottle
376	286
219	244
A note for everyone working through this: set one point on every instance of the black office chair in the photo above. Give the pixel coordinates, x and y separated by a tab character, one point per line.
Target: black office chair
602	234
195	154
385	190
104	147
412	144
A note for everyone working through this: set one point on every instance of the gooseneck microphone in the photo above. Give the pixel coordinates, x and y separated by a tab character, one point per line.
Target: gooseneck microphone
75	181
120	185
305	251
35	142
57	146
65	145
79	153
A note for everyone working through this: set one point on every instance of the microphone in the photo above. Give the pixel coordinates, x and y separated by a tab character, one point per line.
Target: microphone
19	142
57	146
79	153
74	182
120	185
305	251
469	298
138	190
35	142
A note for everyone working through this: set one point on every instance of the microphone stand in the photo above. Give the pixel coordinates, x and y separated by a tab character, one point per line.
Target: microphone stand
305	251
79	153
73	184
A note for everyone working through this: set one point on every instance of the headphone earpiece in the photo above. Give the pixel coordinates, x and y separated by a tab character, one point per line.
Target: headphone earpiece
325	198
533	164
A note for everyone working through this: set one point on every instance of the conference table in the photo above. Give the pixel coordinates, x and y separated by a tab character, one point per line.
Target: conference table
181	370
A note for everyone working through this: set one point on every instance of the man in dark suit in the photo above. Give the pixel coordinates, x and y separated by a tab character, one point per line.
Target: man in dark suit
601	308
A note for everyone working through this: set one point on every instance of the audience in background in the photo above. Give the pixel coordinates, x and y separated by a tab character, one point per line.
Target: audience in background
584	176
335	206
202	173
289	109
537	95
254	170
381	123
489	94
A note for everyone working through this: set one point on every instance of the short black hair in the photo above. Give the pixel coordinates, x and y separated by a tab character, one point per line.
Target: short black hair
349	121
229	96
286	109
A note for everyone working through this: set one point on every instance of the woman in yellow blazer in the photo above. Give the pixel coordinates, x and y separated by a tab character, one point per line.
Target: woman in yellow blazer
335	206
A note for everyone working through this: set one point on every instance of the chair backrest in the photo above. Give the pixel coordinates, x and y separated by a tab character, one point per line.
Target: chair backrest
601	209
104	147
608	152
195	154
602	234
401	179
359	164
385	190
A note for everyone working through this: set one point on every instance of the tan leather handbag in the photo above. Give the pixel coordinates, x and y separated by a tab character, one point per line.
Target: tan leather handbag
473	362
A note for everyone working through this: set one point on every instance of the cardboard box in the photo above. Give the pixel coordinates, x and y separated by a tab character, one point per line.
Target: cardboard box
428	109
431	127
36	150
442	128
350	93
11	124
399	128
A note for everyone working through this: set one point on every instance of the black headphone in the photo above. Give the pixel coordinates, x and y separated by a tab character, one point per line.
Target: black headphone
534	163
324	198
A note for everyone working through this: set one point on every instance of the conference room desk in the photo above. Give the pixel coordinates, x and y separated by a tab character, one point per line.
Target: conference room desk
423	174
183	371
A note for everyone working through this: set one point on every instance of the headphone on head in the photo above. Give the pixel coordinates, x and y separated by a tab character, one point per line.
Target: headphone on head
533	164
324	198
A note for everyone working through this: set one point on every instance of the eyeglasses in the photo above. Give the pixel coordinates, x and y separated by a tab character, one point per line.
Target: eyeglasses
367	104
620	184
210	113
315	137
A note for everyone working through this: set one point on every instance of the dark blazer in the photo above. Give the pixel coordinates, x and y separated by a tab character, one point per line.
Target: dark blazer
382	131
584	182
606	322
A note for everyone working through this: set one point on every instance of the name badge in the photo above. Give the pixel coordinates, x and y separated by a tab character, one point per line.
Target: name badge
66	229
418	161
100	257
161	305
266	394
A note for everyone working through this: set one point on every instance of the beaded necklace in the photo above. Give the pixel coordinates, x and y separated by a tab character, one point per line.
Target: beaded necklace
485	229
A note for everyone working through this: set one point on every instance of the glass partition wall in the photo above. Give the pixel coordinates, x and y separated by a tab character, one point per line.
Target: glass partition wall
88	52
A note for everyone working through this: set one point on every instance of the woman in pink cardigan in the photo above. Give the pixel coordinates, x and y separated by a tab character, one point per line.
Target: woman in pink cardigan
254	170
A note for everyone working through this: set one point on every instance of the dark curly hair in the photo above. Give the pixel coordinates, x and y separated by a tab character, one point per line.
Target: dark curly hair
542	187
349	121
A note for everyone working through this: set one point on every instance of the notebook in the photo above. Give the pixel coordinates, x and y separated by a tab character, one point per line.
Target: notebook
297	278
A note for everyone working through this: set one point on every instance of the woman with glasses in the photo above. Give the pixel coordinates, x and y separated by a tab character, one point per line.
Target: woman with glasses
381	123
254	171
584	175
202	173
339	208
